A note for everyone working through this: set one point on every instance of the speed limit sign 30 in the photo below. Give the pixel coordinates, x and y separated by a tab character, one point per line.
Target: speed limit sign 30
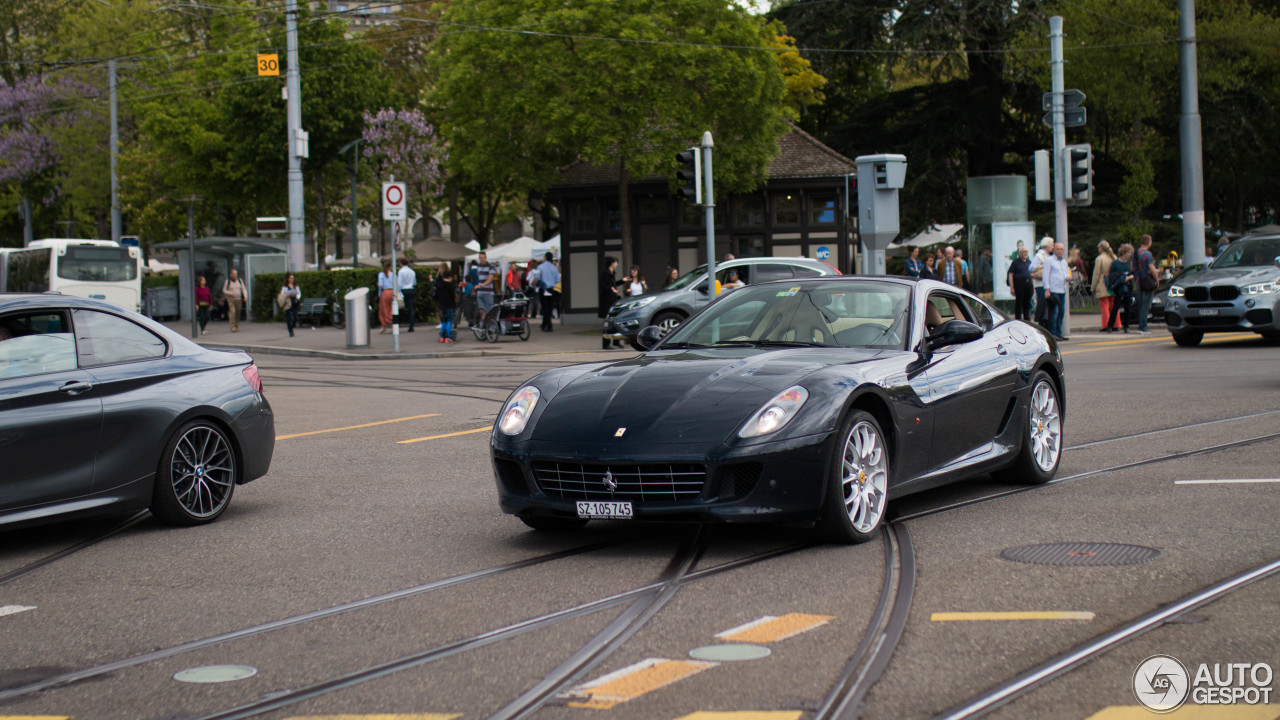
393	201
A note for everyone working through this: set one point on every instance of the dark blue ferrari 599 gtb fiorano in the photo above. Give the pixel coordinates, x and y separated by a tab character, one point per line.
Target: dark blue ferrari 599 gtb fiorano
802	401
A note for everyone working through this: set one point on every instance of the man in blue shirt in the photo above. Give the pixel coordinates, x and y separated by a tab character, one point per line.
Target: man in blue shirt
547	277
1144	269
1055	288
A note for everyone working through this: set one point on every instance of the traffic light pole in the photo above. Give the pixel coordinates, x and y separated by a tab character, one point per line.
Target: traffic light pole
1189	131
1062	173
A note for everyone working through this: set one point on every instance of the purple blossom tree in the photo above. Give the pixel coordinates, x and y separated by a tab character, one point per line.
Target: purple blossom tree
30	109
404	144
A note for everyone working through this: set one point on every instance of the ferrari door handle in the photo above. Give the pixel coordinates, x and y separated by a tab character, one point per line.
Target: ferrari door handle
1000	349
75	387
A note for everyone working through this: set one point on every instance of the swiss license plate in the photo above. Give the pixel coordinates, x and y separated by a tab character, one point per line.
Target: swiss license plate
610	510
1209	311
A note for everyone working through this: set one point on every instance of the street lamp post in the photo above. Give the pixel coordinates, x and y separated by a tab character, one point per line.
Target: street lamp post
354	166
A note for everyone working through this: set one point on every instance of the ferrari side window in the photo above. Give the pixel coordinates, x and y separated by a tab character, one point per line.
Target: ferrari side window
980	312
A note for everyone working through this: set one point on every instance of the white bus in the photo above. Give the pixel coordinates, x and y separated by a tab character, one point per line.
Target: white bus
99	269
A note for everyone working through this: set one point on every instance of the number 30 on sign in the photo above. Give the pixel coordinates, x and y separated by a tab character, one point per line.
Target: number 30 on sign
268	64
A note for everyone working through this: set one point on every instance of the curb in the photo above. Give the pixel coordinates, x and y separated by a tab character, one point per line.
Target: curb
339	355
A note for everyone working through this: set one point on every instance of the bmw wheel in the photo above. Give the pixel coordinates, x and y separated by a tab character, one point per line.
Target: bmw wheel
857	483
1037	461
1188	338
197	475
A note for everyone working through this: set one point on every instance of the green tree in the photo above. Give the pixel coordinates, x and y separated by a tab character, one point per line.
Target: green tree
625	86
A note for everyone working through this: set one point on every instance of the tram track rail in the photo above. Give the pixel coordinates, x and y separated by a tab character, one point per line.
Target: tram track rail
865	666
66	552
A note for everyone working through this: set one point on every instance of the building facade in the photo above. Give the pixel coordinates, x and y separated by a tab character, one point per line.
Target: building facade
798	212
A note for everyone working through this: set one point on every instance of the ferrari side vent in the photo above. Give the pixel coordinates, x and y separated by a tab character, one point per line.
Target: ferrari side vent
738	480
510	475
1008	416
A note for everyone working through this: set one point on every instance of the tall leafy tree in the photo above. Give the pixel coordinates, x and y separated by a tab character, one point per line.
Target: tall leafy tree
625	85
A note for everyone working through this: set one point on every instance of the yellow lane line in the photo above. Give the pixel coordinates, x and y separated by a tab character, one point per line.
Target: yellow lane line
378	716
35	717
631	682
1121	344
355	427
772	629
1191	712
1017	615
446	435
744	715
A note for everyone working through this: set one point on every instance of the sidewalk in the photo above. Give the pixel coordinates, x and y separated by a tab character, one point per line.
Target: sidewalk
326	342
272	338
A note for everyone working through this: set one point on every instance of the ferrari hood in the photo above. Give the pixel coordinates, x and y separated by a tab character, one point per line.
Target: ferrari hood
676	397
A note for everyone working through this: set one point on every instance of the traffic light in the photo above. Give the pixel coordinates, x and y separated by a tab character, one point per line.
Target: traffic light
1078	160
690	175
1041	176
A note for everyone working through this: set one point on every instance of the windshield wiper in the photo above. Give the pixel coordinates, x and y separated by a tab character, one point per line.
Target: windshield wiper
680	346
769	343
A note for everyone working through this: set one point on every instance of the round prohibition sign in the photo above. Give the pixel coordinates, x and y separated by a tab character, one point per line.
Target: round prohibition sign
395	195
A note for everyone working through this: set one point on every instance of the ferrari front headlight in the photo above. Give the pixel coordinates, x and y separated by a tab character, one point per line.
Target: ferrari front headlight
515	414
775	414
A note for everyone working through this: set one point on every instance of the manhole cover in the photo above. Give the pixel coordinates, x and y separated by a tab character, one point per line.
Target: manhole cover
1088	554
729	652
216	674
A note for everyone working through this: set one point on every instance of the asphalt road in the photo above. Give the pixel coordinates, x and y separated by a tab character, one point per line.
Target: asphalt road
371	573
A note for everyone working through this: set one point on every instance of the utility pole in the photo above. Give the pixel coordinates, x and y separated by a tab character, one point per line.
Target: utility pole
191	253
1062	173
112	84
297	141
1189	130
709	206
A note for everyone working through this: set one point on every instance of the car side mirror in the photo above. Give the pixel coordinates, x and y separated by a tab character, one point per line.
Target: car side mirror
702	288
1278	261
649	336
953	332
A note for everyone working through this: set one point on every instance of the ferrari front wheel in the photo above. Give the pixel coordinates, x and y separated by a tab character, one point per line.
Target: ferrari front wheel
1037	461
857	481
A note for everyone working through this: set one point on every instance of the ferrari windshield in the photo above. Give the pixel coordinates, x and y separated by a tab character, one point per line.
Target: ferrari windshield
822	314
1250	252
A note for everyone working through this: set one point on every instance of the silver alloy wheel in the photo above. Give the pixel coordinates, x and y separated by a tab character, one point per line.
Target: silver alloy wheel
203	471
669	323
1046	426
864	476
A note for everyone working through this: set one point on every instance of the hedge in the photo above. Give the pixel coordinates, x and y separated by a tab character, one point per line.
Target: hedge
154	281
322	283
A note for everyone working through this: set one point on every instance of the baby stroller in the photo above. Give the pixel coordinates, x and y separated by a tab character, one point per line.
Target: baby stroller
509	317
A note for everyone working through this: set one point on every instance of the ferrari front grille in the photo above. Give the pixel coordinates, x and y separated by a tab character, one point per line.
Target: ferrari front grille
620	481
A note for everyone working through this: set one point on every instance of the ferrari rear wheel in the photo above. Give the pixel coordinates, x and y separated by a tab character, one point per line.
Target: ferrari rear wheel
552	524
858	481
1037	461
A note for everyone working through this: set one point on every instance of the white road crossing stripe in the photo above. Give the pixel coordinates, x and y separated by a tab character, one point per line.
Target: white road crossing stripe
1234	481
14	609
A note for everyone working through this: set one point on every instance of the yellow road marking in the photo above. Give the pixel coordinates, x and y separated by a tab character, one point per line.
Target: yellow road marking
355	427
1165	340
1017	615
1191	712
35	717
632	681
744	715
446	435
378	716
772	629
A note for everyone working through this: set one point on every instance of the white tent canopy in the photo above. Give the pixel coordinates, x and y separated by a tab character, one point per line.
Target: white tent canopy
521	249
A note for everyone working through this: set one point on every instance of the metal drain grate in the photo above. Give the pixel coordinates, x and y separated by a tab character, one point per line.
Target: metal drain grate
1081	554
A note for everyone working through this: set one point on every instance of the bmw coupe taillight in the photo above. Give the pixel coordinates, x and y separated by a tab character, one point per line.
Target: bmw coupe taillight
252	377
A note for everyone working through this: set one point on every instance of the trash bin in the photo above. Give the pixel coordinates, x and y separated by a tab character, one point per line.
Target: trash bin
162	302
357	309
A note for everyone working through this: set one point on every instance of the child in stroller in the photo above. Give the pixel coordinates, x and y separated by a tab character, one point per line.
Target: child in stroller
508	317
